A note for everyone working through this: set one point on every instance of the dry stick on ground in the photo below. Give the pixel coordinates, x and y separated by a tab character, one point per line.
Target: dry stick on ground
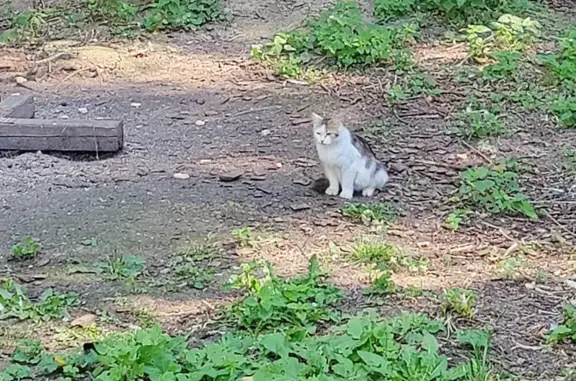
477	152
70	76
252	110
562	226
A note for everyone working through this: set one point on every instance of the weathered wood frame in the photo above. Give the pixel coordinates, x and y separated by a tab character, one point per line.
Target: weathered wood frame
19	131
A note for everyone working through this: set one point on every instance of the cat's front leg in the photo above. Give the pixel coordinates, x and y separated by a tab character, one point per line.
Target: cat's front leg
348	177
332	177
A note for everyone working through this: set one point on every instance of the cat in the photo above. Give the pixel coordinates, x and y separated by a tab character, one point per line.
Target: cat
349	162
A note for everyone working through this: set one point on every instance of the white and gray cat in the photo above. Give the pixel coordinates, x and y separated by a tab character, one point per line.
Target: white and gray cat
349	162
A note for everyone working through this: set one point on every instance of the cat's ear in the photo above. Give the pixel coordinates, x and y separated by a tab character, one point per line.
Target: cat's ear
317	120
338	123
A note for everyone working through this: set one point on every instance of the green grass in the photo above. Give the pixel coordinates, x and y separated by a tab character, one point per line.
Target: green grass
340	37
385	256
478	124
373	213
459	301
381	285
244	236
26	250
272	303
569	161
122	267
495	190
367	347
566	330
126	18
15	303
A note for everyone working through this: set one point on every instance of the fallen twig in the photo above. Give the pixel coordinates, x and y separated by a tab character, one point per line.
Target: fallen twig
477	152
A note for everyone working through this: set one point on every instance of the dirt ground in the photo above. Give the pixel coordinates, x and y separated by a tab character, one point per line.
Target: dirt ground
196	105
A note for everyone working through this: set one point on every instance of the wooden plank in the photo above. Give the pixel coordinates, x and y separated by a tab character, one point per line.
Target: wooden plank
61	135
17	106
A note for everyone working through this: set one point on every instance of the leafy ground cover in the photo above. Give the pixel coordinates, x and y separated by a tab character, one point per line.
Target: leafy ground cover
460	270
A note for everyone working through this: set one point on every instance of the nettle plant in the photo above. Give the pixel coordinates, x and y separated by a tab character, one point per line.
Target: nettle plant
342	36
495	190
272	303
508	33
478	124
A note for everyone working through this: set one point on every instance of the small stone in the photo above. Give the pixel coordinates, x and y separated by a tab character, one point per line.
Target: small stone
258	177
64	117
181	176
571	283
231	175
200	122
84	321
205	161
258	195
299	207
398	167
210	113
278	165
303	182
247	98
68	66
20	80
278	219
265	132
135	104
264	190
83	110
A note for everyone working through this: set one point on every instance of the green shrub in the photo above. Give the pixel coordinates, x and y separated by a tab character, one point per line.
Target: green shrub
273	303
341	35
388	9
495	190
565	109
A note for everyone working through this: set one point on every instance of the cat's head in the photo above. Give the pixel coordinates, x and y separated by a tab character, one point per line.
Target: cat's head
326	131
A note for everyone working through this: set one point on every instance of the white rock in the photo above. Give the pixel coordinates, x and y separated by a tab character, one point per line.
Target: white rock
265	132
83	110
200	122
20	80
135	104
181	176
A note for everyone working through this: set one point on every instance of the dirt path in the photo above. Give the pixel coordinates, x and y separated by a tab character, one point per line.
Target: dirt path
195	105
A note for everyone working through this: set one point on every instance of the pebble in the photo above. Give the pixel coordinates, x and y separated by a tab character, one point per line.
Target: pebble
181	176
205	161
231	175
299	207
265	132
398	167
278	165
135	104
83	110
571	283
303	182
84	321
211	113
258	177
200	122
20	80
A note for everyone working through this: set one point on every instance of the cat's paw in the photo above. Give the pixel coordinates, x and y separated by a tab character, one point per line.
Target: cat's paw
332	191
346	195
368	192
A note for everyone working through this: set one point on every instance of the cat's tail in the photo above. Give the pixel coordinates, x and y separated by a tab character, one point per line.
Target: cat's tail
380	176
